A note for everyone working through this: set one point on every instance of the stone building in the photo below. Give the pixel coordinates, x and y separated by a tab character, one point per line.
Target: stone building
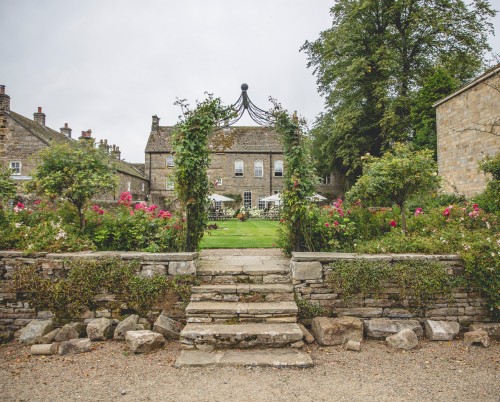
468	129
21	138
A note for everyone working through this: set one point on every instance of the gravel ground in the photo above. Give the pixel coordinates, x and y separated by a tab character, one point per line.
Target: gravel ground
436	371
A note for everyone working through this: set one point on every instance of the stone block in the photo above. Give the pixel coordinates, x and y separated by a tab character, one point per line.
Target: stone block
100	329
72	330
148	271
306	270
75	346
441	330
167	327
380	328
353	345
50	337
35	330
45	349
144	341
404	339
479	336
336	331
181	267
491	328
307	335
128	324
362	312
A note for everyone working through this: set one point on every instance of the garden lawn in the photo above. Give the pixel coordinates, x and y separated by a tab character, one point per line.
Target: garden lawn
253	233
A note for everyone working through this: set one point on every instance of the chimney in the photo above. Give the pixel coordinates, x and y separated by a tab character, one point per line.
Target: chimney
4	100
115	152
86	135
66	130
156	123
39	117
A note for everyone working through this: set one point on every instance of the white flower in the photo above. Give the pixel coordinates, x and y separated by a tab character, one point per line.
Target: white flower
18	225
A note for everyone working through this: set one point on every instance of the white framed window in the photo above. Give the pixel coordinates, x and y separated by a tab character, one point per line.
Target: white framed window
15	167
258	168
238	167
128	186
262	204
142	187
169	183
247	199
278	168
170	161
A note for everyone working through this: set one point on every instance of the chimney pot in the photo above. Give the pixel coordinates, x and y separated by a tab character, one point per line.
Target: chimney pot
2	89
39	116
65	125
39	109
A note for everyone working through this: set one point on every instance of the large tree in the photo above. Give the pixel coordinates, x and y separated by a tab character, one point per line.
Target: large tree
373	61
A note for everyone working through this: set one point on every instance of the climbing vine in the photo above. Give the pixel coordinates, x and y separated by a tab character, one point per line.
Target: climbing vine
190	143
299	182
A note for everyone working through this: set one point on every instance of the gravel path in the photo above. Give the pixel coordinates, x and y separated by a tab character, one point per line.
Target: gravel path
437	371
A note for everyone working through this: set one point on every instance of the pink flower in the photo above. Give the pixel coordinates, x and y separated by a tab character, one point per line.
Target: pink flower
37	202
393	223
131	213
164	214
20	205
336	223
141	205
419	211
125	198
152	208
474	214
446	212
475	207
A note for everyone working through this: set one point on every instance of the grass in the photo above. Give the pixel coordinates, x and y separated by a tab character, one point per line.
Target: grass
253	233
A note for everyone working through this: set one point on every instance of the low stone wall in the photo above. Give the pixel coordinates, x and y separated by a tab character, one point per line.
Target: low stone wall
15	312
310	270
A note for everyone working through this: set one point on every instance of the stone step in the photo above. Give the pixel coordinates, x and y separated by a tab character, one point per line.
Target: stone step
210	311
247	358
214	272
248	292
250	335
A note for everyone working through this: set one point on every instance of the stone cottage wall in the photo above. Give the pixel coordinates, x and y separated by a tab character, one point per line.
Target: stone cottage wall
15	311
310	270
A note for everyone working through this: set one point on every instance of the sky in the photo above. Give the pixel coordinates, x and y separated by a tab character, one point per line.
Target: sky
109	65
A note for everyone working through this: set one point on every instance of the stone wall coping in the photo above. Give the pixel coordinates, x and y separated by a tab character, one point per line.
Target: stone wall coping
125	255
330	257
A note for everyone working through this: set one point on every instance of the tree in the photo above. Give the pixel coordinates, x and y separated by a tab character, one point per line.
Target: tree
74	171
397	176
190	142
7	185
374	59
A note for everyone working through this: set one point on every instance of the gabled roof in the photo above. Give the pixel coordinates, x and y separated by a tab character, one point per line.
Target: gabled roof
495	70
46	135
234	139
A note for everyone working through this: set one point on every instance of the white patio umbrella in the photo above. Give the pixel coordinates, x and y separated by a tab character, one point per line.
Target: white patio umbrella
219	198
273	198
317	197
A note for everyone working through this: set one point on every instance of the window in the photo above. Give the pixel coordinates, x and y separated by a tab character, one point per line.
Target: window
170	160
247	199
128	186
258	168
278	168
15	167
326	179
238	167
169	183
142	187
262	204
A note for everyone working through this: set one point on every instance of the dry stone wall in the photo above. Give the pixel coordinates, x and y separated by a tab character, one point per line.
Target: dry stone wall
310	271
15	311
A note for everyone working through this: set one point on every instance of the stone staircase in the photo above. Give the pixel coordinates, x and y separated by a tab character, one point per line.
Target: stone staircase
244	313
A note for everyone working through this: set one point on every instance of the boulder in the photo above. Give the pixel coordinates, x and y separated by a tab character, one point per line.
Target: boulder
166	326
381	328
143	341
492	328
404	339
72	330
441	330
336	331
45	349
353	345
100	329
128	324
35	330
74	346
50	337
479	336
309	338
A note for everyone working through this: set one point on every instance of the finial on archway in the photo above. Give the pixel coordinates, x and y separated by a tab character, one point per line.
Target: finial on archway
244	87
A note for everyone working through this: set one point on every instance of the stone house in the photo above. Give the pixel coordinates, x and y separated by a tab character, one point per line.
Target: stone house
21	138
468	130
245	161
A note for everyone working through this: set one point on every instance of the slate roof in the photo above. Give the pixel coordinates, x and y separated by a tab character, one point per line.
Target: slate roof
46	135
240	138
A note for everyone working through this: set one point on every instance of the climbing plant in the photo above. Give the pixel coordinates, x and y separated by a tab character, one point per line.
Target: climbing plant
299	181
190	143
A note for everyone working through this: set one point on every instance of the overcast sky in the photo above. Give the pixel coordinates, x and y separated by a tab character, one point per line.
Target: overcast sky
109	65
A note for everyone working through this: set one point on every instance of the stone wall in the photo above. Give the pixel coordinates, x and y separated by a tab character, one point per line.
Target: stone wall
310	270
15	311
468	129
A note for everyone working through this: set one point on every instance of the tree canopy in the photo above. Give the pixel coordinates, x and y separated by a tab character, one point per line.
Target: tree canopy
74	171
373	62
7	185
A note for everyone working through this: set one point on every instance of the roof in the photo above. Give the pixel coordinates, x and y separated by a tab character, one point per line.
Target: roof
46	135
234	139
495	70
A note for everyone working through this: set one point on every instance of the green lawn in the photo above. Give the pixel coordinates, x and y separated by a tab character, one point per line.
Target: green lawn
253	233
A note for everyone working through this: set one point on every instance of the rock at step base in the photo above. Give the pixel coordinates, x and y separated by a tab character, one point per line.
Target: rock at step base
246	358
